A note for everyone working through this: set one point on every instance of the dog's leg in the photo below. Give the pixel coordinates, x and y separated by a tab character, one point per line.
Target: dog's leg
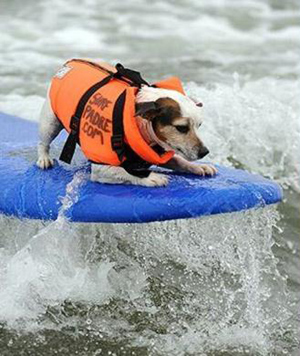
49	128
118	175
180	164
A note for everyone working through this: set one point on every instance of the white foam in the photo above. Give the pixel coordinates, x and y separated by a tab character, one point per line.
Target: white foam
255	125
28	107
136	264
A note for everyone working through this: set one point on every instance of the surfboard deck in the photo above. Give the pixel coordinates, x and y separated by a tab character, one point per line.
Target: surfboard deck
28	192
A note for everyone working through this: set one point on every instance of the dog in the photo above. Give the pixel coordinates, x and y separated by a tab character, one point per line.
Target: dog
165	118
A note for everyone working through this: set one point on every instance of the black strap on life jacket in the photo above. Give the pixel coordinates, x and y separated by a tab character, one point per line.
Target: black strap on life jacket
117	140
132	75
133	163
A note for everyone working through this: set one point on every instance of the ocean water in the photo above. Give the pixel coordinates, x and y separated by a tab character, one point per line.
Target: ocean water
222	285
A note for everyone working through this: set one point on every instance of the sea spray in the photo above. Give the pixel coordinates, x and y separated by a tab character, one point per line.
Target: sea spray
49	267
210	284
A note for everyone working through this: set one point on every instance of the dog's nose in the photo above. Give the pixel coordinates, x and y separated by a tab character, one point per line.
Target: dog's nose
203	151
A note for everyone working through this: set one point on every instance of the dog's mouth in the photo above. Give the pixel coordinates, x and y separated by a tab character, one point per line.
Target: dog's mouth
180	150
189	157
182	153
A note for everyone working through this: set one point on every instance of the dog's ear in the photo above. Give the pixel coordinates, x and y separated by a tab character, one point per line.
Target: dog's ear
147	110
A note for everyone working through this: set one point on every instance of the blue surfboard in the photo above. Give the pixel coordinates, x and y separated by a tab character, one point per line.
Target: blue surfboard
28	192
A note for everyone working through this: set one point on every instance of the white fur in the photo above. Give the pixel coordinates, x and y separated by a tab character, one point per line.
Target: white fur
117	175
180	164
49	128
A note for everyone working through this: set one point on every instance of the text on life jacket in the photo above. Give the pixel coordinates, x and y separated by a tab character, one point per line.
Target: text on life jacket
95	123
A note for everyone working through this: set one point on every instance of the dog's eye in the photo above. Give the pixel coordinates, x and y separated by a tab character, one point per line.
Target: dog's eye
182	128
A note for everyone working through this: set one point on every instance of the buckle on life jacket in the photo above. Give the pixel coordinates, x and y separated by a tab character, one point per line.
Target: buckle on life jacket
74	124
117	144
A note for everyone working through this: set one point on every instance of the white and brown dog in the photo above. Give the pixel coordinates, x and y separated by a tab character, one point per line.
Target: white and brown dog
172	122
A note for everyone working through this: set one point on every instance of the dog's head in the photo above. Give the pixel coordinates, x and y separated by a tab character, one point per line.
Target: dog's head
175	118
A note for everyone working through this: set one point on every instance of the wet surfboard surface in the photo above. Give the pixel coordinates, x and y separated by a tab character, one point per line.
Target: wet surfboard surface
29	192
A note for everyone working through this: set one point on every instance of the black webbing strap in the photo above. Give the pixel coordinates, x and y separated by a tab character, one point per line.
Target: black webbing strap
133	164
134	76
117	138
69	148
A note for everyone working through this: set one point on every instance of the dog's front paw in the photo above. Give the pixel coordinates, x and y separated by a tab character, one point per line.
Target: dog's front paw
44	162
204	169
155	180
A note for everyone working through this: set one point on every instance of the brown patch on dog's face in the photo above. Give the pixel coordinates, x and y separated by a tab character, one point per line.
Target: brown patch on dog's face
163	109
178	132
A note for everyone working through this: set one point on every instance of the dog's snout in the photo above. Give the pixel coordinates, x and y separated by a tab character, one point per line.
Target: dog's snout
203	151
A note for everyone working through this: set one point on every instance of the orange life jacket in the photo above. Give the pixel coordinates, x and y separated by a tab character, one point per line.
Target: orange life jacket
96	105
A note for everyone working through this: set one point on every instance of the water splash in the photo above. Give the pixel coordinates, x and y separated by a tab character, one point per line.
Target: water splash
200	285
43	266
250	125
72	193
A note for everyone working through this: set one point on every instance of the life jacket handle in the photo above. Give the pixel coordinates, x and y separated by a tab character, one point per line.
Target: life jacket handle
134	76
